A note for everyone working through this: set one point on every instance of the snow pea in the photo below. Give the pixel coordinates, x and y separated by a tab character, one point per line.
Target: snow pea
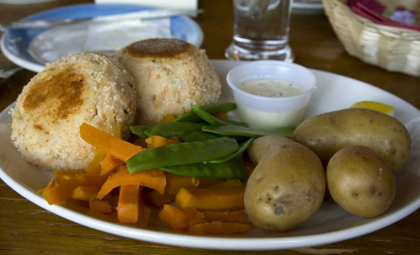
211	109
180	154
236	123
231	169
140	130
147	132
249	132
208	117
171	129
241	148
198	136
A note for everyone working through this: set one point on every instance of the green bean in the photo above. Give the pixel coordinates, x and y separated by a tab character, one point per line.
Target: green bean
208	117
211	109
241	148
249	132
198	136
147	132
180	154
171	129
232	169
140	130
236	123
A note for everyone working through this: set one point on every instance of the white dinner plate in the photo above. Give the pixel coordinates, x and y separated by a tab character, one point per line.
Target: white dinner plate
330	224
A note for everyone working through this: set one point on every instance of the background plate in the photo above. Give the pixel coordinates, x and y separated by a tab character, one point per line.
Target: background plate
15	43
330	224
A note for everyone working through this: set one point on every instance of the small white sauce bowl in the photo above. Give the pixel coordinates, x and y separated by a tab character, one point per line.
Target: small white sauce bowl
271	112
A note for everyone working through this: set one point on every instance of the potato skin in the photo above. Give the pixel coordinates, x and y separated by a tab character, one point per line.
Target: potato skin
327	133
360	181
287	185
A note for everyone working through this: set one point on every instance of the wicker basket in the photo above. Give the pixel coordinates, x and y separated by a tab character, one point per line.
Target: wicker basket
394	49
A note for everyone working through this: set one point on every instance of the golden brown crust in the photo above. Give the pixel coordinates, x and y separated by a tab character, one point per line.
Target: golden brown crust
161	48
62	94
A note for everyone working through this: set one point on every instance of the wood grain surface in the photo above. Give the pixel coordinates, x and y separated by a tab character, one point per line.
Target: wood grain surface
28	229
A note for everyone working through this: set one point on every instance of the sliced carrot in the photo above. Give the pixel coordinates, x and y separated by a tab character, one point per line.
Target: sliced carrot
220	115
100	206
219	228
64	190
222	199
159	141
85	193
66	175
177	218
228	216
167	118
110	164
196	221
49	186
94	166
154	179
156	199
128	204
225	184
175	182
118	148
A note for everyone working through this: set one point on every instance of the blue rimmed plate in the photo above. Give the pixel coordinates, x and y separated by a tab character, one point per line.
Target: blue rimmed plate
18	45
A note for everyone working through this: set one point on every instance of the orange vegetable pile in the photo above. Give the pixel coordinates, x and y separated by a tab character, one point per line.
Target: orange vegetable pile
203	205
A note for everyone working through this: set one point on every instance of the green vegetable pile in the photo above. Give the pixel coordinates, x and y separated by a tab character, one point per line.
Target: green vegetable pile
210	146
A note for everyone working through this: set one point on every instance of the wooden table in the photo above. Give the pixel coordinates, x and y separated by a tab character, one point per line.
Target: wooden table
27	229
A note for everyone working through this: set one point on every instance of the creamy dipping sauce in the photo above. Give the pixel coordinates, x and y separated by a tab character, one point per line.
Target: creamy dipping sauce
262	119
271	88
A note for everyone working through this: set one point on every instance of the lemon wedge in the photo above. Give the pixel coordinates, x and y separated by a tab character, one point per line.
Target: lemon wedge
376	106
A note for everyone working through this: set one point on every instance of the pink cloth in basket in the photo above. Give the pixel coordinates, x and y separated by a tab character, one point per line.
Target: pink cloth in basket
373	11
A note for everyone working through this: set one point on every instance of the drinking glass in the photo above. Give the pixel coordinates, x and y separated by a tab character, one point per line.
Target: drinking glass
261	30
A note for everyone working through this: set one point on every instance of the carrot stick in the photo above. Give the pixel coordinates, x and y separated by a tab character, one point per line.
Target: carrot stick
100	206
167	118
110	164
159	141
228	216
222	199
177	218
49	186
64	190
154	179
128	204
85	193
118	148
95	165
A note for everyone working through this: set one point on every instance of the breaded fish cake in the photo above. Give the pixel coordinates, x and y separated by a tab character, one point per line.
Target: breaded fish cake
86	87
170	76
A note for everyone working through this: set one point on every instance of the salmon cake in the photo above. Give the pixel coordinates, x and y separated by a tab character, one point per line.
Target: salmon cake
170	76
86	87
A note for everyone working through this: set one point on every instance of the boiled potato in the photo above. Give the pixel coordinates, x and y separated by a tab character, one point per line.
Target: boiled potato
287	185
360	181
327	133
